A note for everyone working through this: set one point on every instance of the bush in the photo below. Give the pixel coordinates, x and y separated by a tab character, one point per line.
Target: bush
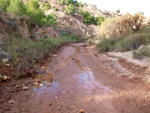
35	13
99	20
70	9
55	8
62	2
17	7
68	2
4	4
80	10
115	27
51	19
47	6
118	11
43	4
125	43
80	4
87	17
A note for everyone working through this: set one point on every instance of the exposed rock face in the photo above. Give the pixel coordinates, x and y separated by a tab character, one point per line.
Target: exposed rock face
10	23
46	32
96	12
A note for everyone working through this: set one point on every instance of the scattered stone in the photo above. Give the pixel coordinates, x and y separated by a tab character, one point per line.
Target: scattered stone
50	104
36	80
64	91
5	78
8	65
41	85
55	55
23	109
5	60
25	88
36	83
58	108
1	78
10	101
48	84
82	111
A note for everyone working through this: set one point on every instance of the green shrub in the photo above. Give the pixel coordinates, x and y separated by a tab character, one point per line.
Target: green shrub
55	8
80	10
62	2
126	42
35	13
4	4
80	4
118	11
17	7
68	2
87	17
51	19
70	9
43	4
47	6
99	20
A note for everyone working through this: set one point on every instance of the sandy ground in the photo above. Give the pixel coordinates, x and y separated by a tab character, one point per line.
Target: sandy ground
80	79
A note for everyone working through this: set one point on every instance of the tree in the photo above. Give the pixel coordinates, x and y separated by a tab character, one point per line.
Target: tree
4	4
68	2
17	7
70	9
62	2
80	10
80	4
99	20
47	6
35	13
118	11
87	17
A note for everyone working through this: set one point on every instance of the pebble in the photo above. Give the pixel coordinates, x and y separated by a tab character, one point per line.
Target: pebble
23	109
10	101
82	111
36	80
25	88
5	78
5	60
58	108
48	84
41	85
36	83
8	65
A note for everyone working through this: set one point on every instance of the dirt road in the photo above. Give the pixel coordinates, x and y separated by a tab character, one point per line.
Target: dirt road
80	79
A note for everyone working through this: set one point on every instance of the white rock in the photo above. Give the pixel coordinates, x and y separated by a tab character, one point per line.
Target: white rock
25	88
41	85
5	78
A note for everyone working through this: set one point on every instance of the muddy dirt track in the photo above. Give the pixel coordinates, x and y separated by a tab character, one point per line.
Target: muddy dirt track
80	79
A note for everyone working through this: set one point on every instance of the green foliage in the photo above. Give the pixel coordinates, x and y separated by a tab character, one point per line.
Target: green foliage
99	20
17	7
70	38
43	4
80	10
126	42
4	4
68	2
70	9
35	13
47	6
55	8
87	17
51	19
80	4
118	11
62	2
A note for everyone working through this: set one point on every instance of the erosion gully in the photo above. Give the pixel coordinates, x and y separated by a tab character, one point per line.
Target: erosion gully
81	79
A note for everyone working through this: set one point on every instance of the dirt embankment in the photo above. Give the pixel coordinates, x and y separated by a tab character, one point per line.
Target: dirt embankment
78	78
